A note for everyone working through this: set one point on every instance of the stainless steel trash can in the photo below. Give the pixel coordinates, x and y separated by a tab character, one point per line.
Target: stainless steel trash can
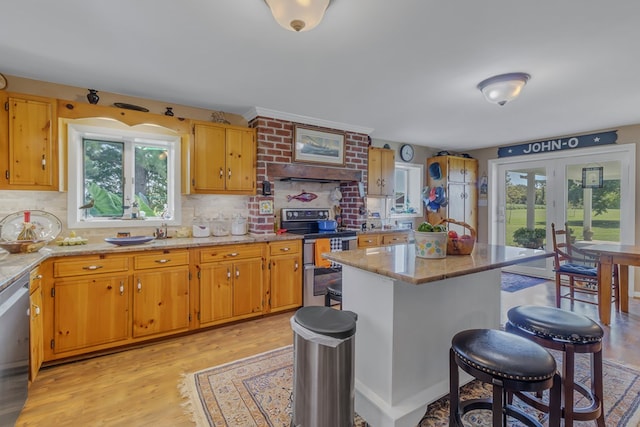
323	367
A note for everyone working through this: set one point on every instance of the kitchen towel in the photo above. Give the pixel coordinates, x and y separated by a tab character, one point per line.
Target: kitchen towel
322	246
336	246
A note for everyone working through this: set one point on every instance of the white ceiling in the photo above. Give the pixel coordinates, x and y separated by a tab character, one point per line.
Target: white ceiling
406	68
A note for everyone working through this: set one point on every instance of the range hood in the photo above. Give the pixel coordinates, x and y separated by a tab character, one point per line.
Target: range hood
308	173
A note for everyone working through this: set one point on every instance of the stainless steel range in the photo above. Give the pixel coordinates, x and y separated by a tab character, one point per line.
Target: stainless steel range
317	277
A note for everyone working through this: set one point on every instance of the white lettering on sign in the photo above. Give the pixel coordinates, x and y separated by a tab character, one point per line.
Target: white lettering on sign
543	146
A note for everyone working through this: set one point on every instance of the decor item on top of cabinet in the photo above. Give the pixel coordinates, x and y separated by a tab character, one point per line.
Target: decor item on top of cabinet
218	117
92	96
130	107
315	146
303	197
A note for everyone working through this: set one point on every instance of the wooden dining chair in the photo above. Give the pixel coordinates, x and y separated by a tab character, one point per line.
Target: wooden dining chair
578	272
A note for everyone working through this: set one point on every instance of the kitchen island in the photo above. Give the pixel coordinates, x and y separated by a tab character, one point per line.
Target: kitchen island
408	310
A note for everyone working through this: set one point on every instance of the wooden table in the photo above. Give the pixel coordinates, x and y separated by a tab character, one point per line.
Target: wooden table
610	254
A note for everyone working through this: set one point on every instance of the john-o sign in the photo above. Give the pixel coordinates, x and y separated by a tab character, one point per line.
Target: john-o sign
559	144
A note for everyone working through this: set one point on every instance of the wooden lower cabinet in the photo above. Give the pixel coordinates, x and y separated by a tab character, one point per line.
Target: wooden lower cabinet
160	292
36	325
383	239
161	301
285	275
97	302
231	283
90	311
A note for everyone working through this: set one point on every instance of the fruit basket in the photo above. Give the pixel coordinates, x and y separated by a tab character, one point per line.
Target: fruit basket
462	245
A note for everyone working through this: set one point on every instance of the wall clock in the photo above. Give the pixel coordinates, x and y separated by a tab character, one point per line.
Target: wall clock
406	152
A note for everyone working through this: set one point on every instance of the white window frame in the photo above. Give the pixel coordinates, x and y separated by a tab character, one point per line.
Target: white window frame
415	174
75	135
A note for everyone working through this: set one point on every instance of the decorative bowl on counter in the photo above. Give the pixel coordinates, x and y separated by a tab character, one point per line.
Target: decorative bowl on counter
22	246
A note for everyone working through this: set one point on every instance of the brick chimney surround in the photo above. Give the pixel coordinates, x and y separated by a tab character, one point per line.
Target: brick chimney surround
275	144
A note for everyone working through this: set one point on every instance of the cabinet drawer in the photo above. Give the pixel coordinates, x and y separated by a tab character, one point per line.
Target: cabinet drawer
284	247
231	252
368	240
395	238
35	279
97	264
166	258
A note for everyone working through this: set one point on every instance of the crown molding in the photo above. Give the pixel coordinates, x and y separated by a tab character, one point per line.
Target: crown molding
297	118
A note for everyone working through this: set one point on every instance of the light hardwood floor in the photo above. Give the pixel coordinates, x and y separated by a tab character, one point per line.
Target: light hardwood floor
139	387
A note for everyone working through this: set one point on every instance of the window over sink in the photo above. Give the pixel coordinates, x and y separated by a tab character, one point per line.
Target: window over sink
122	176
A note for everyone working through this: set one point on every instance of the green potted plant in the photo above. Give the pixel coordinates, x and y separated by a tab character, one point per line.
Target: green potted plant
529	238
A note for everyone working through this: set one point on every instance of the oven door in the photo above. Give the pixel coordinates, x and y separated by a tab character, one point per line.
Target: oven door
316	281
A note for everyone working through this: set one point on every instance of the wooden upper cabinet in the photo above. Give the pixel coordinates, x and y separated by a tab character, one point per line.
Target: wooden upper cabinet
224	159
28	143
381	172
209	159
461	169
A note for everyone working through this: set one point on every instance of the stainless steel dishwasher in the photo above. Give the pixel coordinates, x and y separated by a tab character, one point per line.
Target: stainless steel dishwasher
14	349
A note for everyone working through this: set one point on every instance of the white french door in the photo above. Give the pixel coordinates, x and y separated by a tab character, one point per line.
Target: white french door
592	190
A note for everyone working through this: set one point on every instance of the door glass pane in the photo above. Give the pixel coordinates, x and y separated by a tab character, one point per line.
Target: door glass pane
526	207
593	211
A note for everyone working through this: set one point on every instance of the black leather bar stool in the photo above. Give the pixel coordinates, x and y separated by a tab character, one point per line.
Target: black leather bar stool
511	364
334	292
569	333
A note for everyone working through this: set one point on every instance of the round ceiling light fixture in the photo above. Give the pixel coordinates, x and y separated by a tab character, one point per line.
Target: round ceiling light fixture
503	88
298	15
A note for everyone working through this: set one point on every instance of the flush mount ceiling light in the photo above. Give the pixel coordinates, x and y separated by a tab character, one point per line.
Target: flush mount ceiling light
504	87
298	15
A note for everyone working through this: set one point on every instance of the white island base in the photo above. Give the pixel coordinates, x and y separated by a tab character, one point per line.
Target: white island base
403	337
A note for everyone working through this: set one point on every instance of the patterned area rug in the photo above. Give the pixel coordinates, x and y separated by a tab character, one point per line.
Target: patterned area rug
256	391
515	282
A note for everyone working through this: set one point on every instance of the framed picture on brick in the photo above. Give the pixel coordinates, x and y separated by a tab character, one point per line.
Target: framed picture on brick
316	146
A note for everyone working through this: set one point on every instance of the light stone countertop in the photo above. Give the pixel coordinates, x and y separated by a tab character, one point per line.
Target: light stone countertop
13	266
400	262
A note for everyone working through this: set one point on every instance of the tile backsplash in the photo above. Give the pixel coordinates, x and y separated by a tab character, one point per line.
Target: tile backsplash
207	206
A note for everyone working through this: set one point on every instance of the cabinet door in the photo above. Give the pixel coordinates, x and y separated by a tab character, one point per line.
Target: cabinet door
461	169
286	282
381	172
90	312
209	158
461	206
160	301
374	170
32	146
36	334
216	292
247	287
240	160
388	173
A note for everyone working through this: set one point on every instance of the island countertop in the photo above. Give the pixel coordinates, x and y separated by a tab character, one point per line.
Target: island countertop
400	262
